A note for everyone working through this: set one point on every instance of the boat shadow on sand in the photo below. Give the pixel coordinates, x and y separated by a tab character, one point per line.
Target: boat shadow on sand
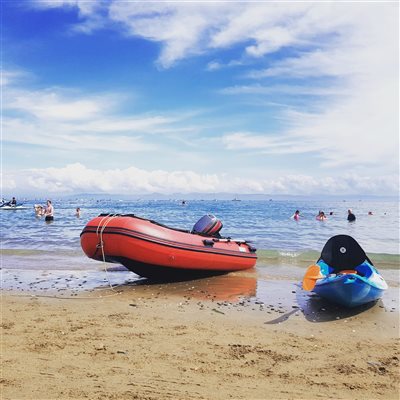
212	286
316	309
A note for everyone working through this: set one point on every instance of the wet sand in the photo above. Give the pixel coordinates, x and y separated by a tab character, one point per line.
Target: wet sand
248	335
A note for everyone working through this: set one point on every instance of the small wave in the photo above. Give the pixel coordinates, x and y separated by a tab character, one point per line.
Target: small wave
304	258
266	257
383	260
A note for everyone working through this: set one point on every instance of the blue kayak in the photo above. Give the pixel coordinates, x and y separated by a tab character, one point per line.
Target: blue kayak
363	286
344	274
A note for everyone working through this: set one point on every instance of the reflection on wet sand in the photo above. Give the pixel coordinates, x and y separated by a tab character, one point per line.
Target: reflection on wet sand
228	287
270	291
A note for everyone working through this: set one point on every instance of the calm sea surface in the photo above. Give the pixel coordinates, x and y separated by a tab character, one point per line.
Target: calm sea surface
266	223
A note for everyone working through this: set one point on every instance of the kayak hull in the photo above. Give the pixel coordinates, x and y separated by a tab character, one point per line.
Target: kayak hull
352	289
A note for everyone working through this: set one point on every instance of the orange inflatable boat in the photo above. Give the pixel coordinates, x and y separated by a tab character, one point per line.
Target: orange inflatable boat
154	250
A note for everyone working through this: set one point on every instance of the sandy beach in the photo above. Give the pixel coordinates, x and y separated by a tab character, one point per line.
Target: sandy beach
194	340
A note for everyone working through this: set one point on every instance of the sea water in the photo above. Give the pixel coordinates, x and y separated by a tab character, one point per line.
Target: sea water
40	259
267	224
45	259
29	243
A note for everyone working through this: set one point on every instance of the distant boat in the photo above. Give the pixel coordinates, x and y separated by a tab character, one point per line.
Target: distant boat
236	199
13	208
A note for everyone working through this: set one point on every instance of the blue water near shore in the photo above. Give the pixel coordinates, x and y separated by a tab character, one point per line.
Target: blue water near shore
266	223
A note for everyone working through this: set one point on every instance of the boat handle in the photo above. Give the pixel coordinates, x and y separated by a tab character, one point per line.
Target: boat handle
208	242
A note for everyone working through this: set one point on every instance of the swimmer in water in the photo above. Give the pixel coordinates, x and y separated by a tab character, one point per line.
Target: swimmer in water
321	216
296	215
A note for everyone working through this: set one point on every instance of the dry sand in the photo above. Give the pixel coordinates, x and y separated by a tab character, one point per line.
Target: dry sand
154	342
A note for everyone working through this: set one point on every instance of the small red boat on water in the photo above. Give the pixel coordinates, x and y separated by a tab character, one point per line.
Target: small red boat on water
153	250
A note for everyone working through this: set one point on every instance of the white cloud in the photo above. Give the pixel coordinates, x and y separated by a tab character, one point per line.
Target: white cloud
76	178
217	65
69	137
188	28
268	144
51	105
334	37
356	131
69	120
179	26
275	89
92	13
10	77
353	124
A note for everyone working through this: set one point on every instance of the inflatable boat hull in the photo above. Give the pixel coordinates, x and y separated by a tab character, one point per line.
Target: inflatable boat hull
154	250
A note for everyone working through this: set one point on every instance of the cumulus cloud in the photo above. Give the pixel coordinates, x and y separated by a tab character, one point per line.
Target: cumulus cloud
77	178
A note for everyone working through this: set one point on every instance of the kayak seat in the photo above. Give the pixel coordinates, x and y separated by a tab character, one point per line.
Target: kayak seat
328	270
208	225
347	271
364	269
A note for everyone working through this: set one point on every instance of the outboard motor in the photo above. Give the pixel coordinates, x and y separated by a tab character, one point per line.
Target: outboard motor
208	225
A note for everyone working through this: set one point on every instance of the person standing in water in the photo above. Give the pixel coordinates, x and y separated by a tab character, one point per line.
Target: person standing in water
49	212
350	217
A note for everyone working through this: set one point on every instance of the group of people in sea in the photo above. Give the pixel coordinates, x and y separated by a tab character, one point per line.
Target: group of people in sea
47	211
322	217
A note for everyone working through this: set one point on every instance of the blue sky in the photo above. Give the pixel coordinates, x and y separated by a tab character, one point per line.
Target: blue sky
245	97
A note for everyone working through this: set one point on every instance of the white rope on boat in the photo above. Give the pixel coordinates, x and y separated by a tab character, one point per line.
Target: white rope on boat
107	219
